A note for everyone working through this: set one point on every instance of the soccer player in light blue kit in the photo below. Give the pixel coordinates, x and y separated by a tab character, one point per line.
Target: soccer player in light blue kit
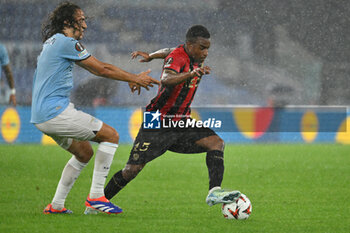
54	115
5	65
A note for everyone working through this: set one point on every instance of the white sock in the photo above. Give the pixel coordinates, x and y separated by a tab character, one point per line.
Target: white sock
69	174
103	161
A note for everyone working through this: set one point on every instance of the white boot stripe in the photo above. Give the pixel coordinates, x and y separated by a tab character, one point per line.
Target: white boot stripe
103	207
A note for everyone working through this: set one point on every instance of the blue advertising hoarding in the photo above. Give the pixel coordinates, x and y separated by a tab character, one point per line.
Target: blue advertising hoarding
239	125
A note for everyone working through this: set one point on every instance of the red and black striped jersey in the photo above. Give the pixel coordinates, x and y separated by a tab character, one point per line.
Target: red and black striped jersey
175	101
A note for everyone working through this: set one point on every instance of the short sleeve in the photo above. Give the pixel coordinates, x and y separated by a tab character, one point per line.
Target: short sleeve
4	57
174	62
74	50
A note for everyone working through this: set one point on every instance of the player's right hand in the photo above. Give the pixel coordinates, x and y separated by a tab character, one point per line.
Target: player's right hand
146	57
135	87
146	81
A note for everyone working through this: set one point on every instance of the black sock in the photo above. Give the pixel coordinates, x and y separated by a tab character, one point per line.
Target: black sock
215	164
116	184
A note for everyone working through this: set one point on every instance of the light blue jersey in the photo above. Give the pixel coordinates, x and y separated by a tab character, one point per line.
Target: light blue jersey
4	57
53	78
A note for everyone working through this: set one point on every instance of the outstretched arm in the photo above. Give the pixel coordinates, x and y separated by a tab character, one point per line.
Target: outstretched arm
159	54
11	82
106	70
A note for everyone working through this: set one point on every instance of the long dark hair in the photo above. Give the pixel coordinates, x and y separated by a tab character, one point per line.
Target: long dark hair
61	17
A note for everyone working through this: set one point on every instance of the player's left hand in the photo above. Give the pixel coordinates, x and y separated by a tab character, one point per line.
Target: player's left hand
135	87
201	71
13	100
146	81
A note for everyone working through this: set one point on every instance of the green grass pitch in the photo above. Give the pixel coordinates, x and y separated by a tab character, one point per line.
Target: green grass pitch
293	188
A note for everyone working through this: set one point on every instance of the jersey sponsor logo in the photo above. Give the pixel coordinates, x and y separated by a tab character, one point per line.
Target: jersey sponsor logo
151	120
79	47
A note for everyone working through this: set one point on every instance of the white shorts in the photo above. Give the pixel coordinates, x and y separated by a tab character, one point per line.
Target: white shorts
71	124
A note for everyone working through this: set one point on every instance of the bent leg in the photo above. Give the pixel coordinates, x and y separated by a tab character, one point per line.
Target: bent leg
108	139
82	152
147	146
73	124
215	159
106	134
122	178
215	163
213	142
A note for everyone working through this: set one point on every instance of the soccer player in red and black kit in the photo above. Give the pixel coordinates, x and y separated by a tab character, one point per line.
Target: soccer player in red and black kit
182	71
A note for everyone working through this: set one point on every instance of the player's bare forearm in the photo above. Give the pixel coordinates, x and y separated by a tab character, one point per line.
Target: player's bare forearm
13	100
141	79
170	77
9	76
106	70
146	57
161	54
11	82
113	72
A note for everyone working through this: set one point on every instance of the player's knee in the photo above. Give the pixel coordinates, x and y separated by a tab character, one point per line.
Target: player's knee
82	150
107	134
221	143
85	154
217	144
112	136
115	136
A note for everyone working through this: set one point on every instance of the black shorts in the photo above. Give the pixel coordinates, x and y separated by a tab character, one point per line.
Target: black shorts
150	144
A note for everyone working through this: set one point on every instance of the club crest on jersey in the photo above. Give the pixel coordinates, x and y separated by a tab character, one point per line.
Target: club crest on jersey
168	62
79	47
